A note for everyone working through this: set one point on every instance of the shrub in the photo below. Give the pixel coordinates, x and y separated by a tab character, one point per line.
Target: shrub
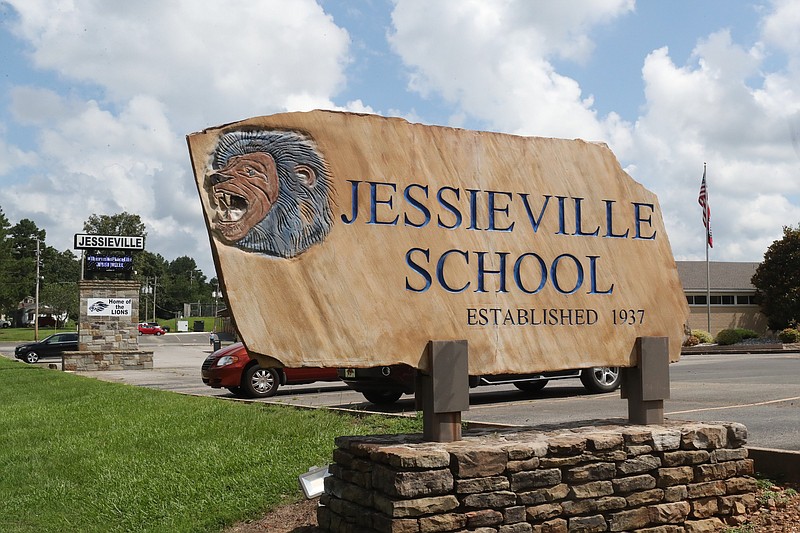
727	337
691	340
703	336
747	333
789	335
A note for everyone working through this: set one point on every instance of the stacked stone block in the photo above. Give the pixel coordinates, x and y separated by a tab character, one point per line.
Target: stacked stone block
111	360
687	477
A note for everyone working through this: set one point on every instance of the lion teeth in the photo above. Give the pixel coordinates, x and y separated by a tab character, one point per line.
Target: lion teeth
230	207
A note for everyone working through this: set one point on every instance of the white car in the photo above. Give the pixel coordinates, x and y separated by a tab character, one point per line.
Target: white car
4	323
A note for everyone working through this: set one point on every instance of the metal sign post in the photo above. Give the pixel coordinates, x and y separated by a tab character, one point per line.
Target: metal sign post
646	385
444	392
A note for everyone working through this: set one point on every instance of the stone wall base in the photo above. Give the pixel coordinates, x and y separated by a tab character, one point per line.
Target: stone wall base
108	360
677	477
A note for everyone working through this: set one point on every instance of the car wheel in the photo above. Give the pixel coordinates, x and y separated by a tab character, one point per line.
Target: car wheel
31	357
259	382
382	397
158	334
531	386
601	378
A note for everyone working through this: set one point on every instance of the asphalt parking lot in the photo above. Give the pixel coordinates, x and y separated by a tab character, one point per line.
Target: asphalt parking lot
761	391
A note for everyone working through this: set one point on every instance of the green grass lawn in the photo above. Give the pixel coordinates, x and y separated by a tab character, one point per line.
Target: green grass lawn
26	334
78	454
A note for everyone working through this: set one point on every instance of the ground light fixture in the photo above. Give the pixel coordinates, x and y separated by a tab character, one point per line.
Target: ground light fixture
313	481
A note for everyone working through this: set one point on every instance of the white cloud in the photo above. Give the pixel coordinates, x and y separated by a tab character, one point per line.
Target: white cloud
721	108
12	157
207	64
492	60
730	106
158	73
779	28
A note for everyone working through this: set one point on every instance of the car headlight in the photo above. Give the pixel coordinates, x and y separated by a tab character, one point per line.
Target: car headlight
227	360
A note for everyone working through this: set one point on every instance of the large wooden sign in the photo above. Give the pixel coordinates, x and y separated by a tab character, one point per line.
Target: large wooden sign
352	240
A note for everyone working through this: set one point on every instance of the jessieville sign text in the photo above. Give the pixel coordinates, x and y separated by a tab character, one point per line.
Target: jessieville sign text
352	240
84	241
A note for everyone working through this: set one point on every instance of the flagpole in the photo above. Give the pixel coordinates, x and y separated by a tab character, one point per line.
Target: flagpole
708	267
708	288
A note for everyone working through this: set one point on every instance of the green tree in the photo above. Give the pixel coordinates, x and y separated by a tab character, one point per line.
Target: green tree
59	267
18	246
7	294
60	272
62	298
119	224
22	267
777	280
150	271
183	283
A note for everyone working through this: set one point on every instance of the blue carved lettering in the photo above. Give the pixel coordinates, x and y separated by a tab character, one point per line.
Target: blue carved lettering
554	273
449	207
440	271
375	202
418	269
518	273
637	217
413	202
494	209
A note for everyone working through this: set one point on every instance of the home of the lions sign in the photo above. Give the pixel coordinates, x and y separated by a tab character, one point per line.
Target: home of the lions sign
352	240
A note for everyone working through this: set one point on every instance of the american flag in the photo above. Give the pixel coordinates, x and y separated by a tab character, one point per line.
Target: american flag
703	201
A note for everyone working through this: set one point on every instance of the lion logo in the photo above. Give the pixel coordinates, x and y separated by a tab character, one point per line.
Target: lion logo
270	191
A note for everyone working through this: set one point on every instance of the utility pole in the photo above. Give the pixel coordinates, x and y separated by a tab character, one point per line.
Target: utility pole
145	293
36	304
155	283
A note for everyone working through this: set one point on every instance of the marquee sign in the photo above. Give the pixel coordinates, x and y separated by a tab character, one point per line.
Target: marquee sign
109	263
352	240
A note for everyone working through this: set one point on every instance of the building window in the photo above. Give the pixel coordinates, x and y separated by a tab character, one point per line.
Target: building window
720	299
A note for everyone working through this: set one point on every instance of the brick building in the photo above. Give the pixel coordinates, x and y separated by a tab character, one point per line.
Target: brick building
732	296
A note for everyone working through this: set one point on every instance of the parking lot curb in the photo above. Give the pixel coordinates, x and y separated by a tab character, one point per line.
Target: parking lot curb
744	349
778	465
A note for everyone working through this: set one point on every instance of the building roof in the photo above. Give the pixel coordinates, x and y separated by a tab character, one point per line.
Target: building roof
724	276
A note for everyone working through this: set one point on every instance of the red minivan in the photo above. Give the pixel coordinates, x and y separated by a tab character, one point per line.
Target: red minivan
232	368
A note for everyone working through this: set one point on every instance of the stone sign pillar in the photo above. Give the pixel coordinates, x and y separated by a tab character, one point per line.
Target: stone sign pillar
109	315
108	337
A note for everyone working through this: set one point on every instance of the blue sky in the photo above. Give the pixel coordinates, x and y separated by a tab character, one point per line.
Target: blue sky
96	98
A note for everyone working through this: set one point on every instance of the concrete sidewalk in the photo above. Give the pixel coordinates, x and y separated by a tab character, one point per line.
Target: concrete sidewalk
740	349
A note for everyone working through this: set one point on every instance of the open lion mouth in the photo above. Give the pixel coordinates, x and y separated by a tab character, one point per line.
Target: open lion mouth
230	206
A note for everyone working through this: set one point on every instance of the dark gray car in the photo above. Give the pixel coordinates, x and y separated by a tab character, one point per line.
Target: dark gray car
53	346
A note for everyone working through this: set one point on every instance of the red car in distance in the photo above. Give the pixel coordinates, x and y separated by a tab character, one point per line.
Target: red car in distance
232	368
151	329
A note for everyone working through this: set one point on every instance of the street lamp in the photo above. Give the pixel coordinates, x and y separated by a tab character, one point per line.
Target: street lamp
150	289
146	290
